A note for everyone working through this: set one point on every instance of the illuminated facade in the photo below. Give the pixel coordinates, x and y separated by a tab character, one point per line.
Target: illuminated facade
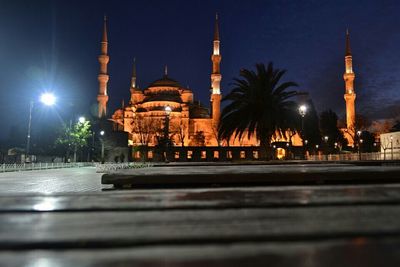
190	123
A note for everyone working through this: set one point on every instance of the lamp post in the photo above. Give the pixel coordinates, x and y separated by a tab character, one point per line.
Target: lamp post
166	132
391	145
326	138
47	99
302	112
358	143
102	132
305	148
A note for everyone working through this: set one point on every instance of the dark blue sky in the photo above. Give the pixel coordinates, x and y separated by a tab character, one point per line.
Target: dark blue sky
53	45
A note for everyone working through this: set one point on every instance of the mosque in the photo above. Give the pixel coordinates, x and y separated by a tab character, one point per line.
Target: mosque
190	123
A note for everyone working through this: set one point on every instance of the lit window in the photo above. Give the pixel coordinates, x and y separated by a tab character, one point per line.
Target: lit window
216	154
255	154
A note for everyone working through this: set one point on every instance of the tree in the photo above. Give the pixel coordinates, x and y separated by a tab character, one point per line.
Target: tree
259	106
179	129
145	129
199	139
362	123
396	126
75	136
368	141
328	122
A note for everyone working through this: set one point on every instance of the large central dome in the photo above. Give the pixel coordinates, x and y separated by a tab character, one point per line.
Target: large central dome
165	81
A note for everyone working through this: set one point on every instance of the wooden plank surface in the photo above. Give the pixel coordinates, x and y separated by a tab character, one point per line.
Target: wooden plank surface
252	175
112	229
345	253
217	198
341	225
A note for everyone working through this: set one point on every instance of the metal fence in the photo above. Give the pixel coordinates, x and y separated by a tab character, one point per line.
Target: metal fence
357	156
41	166
112	167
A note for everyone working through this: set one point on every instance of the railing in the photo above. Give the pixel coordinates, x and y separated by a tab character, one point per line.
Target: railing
111	167
41	166
357	156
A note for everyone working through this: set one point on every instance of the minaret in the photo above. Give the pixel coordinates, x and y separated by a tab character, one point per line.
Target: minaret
216	78
133	79
350	95
136	93
102	97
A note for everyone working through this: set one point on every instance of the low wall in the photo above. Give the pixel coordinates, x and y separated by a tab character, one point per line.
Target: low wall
187	154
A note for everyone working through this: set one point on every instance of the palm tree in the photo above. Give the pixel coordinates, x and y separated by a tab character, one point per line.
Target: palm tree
259	106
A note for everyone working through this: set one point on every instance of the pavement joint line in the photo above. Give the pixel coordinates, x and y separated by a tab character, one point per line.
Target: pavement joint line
118	243
205	207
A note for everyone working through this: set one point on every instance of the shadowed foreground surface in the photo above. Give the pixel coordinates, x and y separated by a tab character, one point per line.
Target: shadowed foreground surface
319	225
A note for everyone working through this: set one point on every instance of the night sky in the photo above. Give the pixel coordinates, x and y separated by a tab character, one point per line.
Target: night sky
53	46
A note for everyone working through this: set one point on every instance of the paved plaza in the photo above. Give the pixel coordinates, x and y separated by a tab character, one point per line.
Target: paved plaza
71	180
65	217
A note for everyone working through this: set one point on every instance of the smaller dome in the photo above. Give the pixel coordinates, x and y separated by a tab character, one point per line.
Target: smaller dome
165	81
196	110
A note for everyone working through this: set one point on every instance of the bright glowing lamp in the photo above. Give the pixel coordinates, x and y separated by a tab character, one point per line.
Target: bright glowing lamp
303	110
48	99
168	110
82	119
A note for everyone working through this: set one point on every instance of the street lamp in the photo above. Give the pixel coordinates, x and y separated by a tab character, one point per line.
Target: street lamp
391	144
102	133
302	112
326	138
166	131
358	142
82	119
47	99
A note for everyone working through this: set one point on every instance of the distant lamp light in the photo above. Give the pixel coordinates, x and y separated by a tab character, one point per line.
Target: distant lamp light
82	119
358	133
274	146
361	141
306	142
326	138
287	144
316	146
374	144
48	99
303	110
102	132
168	110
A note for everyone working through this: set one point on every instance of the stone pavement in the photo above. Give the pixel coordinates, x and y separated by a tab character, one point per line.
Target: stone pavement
66	218
51	181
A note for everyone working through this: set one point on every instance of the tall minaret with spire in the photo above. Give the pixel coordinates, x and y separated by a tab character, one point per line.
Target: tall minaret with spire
136	93
350	95
133	79
216	77
102	97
